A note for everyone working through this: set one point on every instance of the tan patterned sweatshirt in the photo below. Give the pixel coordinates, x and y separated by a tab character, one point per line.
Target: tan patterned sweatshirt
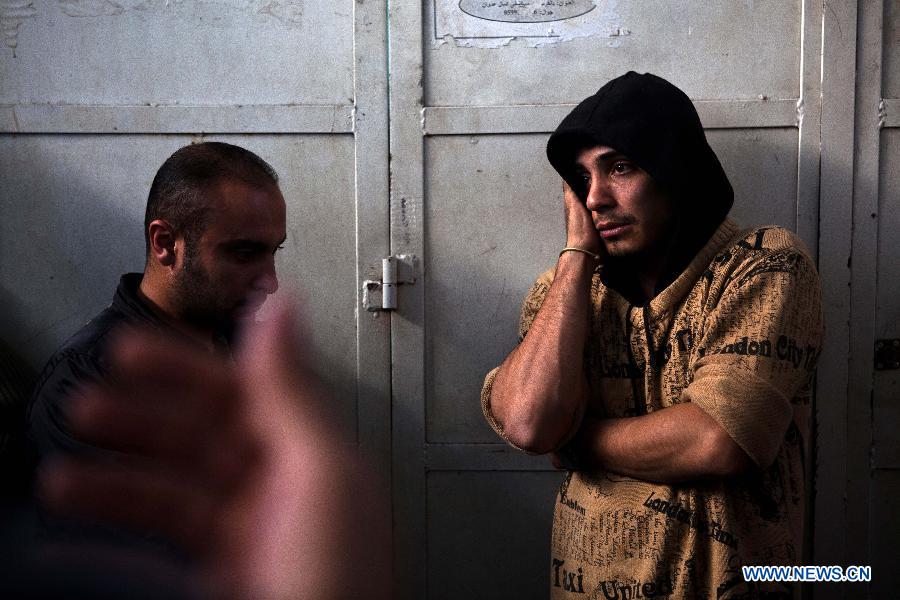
738	333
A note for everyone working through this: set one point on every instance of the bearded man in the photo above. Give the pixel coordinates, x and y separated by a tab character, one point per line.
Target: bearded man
215	218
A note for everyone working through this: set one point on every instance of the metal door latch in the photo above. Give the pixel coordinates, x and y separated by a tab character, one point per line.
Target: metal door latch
382	295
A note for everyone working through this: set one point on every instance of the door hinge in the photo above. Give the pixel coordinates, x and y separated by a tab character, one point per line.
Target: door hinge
381	295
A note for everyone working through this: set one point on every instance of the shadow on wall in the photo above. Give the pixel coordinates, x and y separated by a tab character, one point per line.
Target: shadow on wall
489	534
65	234
72	218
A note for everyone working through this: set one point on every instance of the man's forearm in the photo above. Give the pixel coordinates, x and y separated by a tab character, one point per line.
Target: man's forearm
671	445
541	386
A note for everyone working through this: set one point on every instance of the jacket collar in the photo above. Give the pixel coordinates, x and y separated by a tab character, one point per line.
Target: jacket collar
129	302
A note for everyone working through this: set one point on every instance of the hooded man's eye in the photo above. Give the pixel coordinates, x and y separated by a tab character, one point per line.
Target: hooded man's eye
622	168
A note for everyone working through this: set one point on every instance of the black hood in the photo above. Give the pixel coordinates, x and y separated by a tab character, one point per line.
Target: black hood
654	124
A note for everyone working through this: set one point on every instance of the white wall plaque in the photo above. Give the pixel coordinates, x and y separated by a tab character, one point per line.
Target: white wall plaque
494	23
526	11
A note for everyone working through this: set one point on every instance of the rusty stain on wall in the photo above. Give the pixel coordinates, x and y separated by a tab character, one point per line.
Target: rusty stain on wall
14	13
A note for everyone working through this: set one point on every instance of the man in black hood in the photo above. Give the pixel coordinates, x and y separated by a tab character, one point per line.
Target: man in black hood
654	124
666	362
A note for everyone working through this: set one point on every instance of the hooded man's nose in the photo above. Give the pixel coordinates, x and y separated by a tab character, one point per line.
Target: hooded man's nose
599	196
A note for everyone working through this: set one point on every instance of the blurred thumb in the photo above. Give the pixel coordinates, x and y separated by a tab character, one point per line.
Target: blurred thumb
273	364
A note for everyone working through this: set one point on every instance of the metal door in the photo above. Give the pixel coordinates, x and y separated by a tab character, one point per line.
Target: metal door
476	87
872	409
97	93
881	134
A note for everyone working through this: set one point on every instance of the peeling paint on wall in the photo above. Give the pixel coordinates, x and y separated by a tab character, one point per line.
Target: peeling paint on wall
14	13
496	23
288	12
90	8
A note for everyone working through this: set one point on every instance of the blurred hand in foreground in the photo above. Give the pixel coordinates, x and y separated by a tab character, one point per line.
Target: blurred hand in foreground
237	463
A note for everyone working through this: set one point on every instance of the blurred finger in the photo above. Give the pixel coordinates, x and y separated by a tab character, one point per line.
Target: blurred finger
216	453
141	498
279	386
273	347
162	371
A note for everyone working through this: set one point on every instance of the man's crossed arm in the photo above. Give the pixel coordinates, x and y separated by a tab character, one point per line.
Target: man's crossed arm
540	391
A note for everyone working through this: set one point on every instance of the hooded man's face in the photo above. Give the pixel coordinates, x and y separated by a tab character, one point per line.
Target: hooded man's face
631	213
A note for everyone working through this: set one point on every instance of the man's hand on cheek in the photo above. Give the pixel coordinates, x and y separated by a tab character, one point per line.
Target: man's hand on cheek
580	230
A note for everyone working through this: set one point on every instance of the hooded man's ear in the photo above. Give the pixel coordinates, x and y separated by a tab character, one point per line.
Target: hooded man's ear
162	242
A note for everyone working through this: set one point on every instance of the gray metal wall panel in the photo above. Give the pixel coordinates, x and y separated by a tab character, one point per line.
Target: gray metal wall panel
885	528
188	52
493	223
887	321
836	463
318	262
479	524
886	396
865	529
762	167
885	452
407	324
746	49
891	52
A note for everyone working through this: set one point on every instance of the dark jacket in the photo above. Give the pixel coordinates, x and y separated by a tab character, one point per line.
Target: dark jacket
17	380
82	359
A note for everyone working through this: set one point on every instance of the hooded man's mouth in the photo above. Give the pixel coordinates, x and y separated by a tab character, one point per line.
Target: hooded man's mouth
611	230
611	226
